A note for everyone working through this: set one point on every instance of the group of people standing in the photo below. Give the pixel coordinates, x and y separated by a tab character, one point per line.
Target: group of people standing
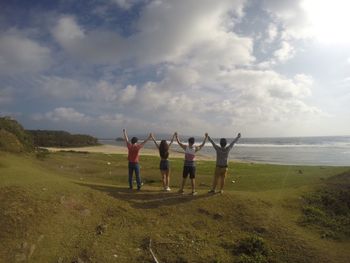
189	168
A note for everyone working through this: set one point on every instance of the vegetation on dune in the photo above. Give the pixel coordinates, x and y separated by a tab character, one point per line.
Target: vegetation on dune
13	137
45	138
328	209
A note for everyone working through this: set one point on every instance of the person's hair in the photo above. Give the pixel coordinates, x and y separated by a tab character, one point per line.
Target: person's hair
223	142
134	140
191	141
164	149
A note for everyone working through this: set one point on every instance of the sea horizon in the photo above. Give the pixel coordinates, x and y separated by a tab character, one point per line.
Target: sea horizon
310	150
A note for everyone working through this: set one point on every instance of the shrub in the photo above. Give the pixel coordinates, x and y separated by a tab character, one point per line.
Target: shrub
252	245
328	209
13	137
257	258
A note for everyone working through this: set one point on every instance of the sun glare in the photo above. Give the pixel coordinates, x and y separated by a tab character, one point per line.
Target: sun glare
329	20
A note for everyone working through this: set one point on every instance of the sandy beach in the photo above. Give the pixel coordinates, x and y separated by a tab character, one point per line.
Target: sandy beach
114	149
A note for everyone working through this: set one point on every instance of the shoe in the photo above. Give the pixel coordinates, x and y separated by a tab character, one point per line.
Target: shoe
221	192
181	191
167	189
211	191
139	188
194	193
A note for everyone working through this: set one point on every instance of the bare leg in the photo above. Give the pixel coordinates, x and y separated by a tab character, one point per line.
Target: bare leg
183	184
167	178
163	178
222	182
215	181
193	185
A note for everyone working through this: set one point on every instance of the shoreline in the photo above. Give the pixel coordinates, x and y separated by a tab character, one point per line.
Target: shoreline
118	149
115	149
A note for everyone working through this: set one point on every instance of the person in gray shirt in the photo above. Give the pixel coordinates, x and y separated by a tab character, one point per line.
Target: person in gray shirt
222	152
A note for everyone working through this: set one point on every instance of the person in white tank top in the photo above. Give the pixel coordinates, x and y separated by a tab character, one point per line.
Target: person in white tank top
189	164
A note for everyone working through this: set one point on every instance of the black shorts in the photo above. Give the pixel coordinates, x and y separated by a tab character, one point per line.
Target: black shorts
189	170
164	165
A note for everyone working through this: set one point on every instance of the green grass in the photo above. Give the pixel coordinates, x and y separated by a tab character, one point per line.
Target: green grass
67	206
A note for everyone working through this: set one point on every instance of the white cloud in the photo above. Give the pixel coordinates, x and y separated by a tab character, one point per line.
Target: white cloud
104	91
67	31
20	54
62	114
285	52
96	46
128	94
161	36
293	17
59	87
126	4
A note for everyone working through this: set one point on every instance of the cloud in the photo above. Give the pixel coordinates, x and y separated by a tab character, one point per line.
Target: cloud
285	52
272	33
62	114
126	4
60	88
20	54
201	26
128	94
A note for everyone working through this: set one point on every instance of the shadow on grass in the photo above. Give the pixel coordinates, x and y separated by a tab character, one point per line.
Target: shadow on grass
146	198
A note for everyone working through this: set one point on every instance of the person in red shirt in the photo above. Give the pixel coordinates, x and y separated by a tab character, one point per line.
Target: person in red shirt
133	158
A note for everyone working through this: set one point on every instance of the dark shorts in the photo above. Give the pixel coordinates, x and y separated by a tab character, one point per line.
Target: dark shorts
164	165
189	170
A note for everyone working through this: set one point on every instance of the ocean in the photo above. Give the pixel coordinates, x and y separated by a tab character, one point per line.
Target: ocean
325	151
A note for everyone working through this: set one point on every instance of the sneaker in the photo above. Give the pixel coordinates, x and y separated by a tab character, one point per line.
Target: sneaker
194	193
211	191
221	192
181	191
167	189
139	188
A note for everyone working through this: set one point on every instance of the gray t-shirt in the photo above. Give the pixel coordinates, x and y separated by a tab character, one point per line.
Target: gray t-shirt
222	153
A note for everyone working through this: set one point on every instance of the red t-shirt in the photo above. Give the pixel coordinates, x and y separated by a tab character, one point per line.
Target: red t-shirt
133	154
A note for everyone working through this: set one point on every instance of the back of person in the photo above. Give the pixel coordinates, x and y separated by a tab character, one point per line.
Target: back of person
222	156
190	156
164	150
133	155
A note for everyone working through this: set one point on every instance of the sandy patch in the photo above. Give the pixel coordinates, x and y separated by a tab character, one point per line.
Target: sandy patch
115	149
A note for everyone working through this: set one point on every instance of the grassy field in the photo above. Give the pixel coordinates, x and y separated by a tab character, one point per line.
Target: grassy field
75	207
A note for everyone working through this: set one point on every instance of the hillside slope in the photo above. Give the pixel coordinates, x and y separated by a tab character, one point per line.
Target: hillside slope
73	207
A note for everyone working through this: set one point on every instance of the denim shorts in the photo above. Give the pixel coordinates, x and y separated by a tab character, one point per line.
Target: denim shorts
164	165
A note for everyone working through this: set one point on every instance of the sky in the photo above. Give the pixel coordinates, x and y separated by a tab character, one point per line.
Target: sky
265	68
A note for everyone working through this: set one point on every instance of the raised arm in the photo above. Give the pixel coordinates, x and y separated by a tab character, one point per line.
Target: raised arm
146	140
125	137
178	141
235	140
212	142
172	140
200	146
154	140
